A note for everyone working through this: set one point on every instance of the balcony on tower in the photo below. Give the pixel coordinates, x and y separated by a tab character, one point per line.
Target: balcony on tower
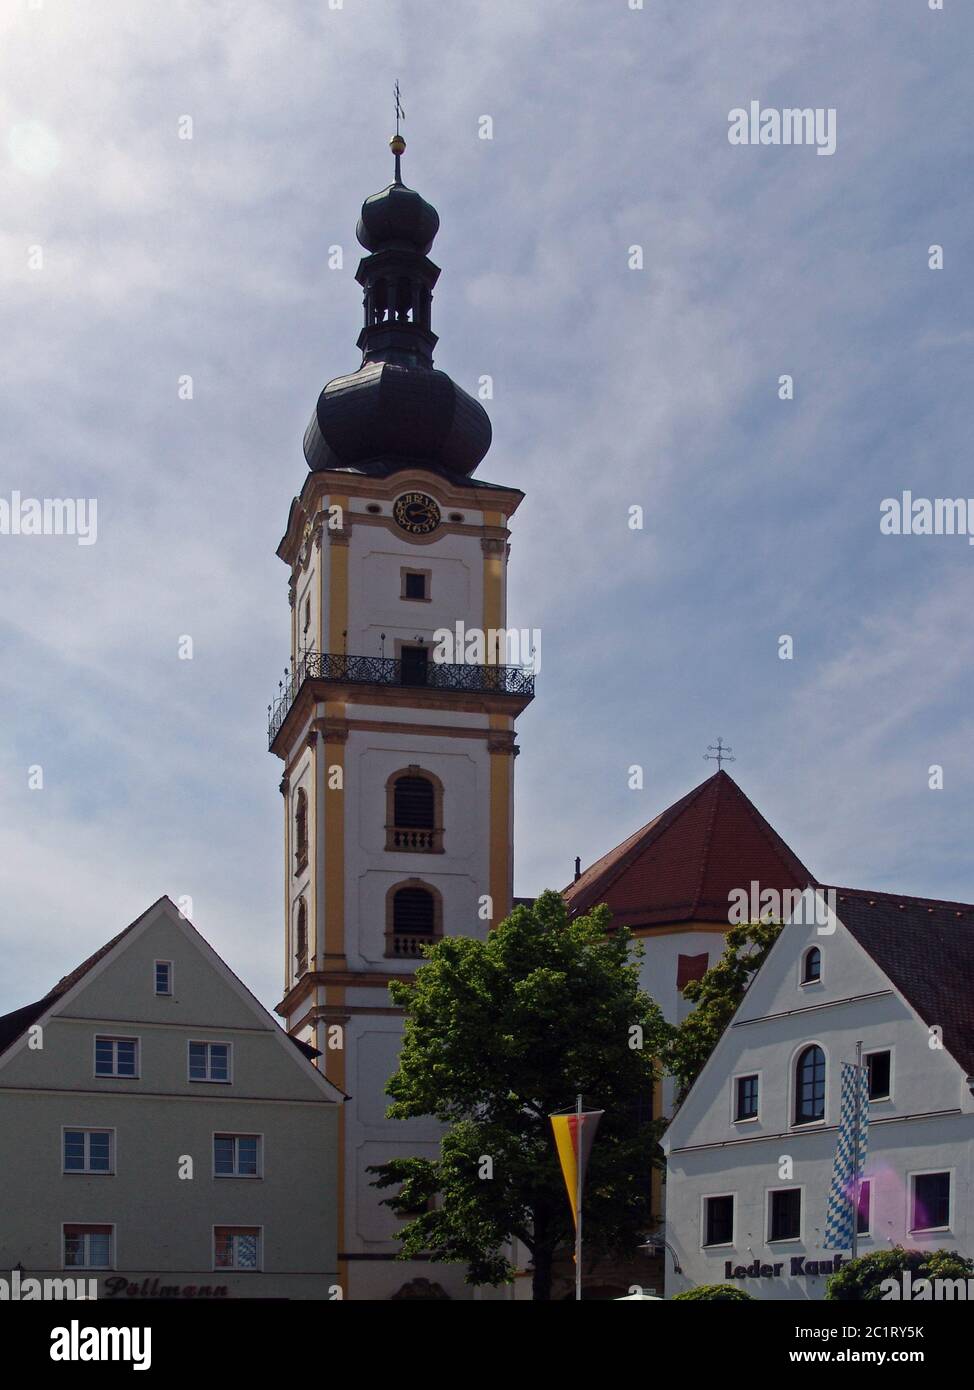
329	675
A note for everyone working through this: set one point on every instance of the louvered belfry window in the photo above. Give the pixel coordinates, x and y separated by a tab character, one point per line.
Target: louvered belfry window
413	912
415	803
415	812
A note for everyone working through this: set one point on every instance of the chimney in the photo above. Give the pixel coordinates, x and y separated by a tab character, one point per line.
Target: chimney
578	868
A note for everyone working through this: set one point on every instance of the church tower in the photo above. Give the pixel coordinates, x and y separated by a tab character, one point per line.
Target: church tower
398	753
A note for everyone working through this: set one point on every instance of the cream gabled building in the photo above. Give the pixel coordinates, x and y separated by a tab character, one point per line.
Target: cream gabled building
161	1135
398	764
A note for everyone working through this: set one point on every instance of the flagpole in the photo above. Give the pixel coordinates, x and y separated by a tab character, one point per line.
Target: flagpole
578	1199
855	1154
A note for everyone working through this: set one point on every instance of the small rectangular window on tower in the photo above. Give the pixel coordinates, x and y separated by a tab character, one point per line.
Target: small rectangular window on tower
163	976
416	585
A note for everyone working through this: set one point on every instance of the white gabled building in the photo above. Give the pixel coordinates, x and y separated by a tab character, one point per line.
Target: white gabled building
161	1134
750	1150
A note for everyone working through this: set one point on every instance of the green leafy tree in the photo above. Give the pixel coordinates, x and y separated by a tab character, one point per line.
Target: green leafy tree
498	1035
715	1293
716	996
861	1280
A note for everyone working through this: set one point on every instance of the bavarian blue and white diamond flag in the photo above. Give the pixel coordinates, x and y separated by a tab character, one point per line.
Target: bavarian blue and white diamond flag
855	1107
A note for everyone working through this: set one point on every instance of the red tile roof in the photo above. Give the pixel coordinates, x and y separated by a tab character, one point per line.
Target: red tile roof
684	865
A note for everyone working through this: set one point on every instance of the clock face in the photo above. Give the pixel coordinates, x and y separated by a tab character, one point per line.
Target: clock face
416	513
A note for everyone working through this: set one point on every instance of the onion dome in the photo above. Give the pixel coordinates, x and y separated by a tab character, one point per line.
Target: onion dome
387	416
397	410
398	217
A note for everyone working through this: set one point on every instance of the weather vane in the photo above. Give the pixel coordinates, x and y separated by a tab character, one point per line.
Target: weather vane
397	144
719	753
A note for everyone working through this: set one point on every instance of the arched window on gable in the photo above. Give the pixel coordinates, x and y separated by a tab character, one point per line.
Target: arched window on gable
301	938
414	811
810	1085
414	918
811	966
300	831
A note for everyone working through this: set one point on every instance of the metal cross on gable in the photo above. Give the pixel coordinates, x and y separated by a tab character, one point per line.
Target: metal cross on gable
719	753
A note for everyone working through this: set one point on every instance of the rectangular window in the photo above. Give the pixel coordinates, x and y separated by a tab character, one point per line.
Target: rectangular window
116	1056
864	1213
718	1220
746	1105
88	1151
415	584
879	1069
930	1202
236	1155
88	1247
163	977
209	1061
785	1214
236	1247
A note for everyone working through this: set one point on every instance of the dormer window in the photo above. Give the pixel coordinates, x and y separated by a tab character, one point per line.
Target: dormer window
812	966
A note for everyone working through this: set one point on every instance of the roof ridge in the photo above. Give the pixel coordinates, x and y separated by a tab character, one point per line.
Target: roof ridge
708	841
771	836
641	839
885	896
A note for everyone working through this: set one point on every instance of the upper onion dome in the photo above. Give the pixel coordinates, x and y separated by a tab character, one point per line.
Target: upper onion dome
398	217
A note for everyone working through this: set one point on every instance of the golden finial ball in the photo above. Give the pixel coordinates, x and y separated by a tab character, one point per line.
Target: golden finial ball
397	144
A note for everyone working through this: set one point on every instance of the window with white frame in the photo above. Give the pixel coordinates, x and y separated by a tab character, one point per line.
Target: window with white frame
88	1151
864	1208
209	1061
88	1247
810	1085
879	1069
746	1097
812	966
929	1201
236	1247
116	1056
718	1220
785	1213
236	1155
163	977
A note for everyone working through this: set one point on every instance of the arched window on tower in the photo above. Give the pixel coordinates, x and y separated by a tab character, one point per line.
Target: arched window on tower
301	938
811	966
810	1085
300	831
414	811
413	918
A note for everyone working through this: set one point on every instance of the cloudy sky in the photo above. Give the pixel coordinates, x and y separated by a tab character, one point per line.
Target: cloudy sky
130	258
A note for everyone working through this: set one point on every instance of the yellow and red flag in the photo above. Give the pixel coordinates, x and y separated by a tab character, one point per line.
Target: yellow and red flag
574	1137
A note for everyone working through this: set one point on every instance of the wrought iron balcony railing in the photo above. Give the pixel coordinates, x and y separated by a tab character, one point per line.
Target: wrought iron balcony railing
385	670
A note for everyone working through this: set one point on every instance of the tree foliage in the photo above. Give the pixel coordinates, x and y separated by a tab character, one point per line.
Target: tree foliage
861	1280
716	996
715	1293
498	1035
